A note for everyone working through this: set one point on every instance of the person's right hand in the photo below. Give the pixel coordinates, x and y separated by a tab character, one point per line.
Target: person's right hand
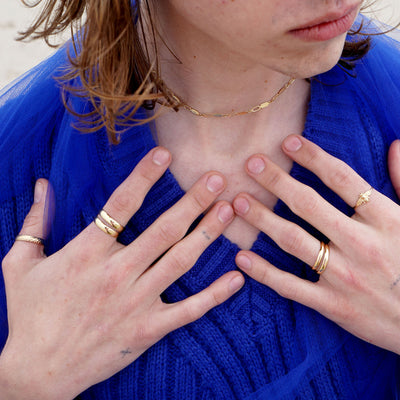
84	313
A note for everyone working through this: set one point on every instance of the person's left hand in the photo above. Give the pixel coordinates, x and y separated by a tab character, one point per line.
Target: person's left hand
360	288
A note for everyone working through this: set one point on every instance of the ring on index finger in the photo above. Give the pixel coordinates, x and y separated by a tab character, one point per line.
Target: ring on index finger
108	224
363	198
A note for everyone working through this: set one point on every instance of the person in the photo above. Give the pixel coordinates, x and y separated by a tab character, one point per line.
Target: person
169	177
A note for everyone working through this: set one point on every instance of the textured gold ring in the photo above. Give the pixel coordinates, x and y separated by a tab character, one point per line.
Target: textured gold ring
111	221
363	198
322	259
30	239
105	228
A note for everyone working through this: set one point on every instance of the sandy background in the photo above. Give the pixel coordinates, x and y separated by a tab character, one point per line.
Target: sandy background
17	57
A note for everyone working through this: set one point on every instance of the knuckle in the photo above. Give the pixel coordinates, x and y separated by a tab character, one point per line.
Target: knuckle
292	240
33	219
273	178
122	201
351	279
180	259
199	201
144	334
288	291
313	155
194	310
340	176
9	261
306	204
169	231
147	175
81	255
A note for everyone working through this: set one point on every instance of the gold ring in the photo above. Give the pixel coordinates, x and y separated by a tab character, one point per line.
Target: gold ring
111	221
105	228
363	198
30	239
322	259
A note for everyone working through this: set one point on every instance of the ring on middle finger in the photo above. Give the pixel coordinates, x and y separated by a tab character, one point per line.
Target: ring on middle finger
108	224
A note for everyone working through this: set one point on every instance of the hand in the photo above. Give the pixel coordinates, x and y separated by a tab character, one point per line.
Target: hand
360	289
84	313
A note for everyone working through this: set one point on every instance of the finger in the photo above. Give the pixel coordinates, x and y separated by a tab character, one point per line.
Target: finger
173	224
394	165
301	199
181	257
288	236
336	174
34	225
191	309
129	196
284	283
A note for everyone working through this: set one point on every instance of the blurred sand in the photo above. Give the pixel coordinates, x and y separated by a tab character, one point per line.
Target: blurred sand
17	57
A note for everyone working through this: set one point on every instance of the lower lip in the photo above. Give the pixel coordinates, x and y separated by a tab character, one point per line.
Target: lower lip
327	30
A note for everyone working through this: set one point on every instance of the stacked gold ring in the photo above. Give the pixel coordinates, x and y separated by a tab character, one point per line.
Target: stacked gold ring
30	239
108	224
322	259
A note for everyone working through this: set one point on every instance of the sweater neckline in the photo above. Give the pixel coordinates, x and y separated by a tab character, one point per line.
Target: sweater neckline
279	206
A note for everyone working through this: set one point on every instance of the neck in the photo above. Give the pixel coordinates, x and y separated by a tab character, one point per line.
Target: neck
212	78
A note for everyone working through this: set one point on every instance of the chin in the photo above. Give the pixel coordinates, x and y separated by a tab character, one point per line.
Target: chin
318	60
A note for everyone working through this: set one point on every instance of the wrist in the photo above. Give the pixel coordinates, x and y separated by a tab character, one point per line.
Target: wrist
18	381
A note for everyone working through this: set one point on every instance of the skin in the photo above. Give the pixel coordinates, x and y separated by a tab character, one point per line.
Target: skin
360	289
224	65
119	313
112	294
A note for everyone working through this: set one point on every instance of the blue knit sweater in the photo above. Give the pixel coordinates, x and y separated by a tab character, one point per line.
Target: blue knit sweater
256	345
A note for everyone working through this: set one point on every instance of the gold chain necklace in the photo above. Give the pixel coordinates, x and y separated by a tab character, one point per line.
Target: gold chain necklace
174	101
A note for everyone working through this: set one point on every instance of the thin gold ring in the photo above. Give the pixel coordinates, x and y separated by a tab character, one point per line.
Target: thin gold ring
111	221
106	229
322	259
30	239
319	257
364	198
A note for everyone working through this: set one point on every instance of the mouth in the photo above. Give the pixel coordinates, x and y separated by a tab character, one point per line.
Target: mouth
327	27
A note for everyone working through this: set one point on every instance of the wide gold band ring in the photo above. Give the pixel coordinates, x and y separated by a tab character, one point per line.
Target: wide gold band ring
363	198
322	259
30	239
105	228
111	221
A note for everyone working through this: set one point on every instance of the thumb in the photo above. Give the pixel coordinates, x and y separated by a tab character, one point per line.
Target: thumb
34	226
394	165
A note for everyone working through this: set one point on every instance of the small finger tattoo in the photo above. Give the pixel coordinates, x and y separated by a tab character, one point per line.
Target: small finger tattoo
206	235
125	352
395	283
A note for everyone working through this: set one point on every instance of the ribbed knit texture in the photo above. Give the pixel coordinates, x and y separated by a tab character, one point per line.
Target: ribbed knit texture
257	345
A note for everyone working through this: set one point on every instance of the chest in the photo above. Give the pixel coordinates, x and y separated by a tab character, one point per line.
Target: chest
188	169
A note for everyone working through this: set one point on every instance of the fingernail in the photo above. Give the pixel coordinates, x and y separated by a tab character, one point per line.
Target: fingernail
225	213
236	283
38	192
292	143
256	165
161	157
241	205
243	262
215	183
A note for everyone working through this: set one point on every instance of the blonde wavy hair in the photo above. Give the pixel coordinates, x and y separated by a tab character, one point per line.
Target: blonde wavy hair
111	61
